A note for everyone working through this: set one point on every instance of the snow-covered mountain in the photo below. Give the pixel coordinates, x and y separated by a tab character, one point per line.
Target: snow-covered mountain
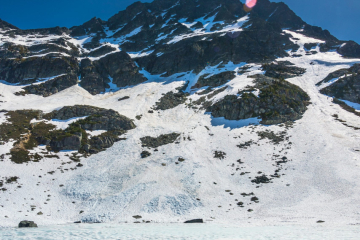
180	109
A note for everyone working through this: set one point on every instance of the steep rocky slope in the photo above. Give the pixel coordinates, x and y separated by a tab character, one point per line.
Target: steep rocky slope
179	109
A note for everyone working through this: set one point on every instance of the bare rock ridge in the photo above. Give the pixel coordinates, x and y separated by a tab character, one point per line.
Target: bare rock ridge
6	26
167	31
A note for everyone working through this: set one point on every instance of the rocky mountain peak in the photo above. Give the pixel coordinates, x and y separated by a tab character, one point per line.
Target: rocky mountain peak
94	25
6	26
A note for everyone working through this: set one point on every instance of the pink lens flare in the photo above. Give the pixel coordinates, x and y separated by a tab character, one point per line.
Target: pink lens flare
250	3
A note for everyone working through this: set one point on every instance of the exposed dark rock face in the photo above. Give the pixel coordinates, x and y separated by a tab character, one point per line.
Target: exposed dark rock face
171	100
53	86
67	143
282	70
43	31
318	33
103	141
279	101
6	26
215	80
263	41
355	69
58	45
98	118
28	70
346	88
150	27
11	50
74	137
91	79
95	25
27	224
154	142
101	51
119	66
278	13
73	111
351	49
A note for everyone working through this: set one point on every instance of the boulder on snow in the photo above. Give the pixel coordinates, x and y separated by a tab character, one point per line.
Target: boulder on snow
27	224
199	220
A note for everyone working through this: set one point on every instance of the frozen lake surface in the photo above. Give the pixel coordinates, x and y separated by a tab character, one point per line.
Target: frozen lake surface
181	232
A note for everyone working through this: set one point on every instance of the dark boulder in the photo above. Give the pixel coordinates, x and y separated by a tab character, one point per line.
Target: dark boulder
145	154
195	221
27	224
43	31
318	33
261	179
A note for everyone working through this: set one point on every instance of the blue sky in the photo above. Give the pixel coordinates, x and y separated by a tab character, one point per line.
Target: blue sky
340	17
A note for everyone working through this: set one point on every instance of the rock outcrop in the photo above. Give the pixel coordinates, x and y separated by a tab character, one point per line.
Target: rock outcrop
154	142
282	70
97	118
6	26
52	86
278	101
171	100
29	70
346	88
95	75
214	80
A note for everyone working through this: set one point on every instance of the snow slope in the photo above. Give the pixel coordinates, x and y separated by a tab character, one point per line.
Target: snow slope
318	181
